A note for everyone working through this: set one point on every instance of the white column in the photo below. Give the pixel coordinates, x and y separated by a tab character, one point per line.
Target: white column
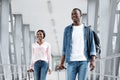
92	11
117	49
113	7
1	69
104	24
117	44
104	16
96	15
5	39
32	40
18	41
104	29
26	33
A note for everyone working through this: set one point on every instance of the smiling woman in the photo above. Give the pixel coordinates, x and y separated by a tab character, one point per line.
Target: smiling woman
41	57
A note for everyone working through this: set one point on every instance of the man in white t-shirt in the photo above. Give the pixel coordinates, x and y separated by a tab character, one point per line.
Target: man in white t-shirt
75	48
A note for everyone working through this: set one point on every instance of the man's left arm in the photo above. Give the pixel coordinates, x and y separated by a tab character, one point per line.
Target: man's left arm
92	51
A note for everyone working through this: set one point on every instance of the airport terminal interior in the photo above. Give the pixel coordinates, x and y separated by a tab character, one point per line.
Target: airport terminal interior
20	20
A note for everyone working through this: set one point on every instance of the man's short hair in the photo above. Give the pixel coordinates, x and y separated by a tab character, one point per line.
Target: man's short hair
78	10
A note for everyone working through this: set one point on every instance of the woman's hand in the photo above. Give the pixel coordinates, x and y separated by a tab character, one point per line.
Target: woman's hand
30	70
49	71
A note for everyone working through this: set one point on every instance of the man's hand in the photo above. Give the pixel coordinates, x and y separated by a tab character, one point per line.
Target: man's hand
92	65
60	67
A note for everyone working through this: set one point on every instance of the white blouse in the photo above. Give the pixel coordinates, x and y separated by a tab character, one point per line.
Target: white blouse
41	52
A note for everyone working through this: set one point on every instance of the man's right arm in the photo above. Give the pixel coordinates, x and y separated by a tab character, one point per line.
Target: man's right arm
61	66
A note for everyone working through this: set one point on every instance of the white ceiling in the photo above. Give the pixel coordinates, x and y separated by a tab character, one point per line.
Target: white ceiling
52	19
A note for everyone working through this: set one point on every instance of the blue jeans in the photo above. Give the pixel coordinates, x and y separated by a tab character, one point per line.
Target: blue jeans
77	67
40	70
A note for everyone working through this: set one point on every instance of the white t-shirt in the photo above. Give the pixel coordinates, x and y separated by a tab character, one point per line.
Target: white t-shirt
77	53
